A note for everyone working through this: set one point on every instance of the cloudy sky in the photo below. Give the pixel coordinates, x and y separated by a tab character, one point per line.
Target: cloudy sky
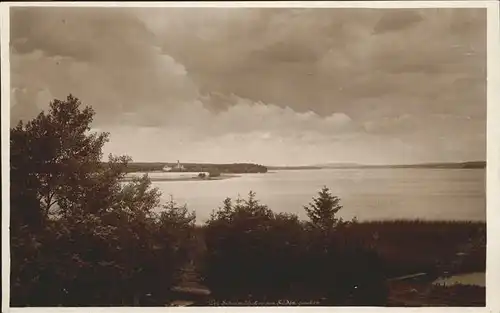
272	86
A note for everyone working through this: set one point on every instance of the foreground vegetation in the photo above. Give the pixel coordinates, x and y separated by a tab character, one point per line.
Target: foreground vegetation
418	294
432	247
80	237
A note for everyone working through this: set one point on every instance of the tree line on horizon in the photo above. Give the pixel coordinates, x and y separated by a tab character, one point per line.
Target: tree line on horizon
217	169
81	237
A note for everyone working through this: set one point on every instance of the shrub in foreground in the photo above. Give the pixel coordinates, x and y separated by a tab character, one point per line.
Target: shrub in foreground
253	253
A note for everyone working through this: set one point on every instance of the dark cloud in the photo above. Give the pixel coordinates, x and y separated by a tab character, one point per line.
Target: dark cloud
269	79
324	50
394	20
105	56
285	52
84	34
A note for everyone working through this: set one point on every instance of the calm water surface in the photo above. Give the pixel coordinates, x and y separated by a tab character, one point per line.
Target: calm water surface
368	194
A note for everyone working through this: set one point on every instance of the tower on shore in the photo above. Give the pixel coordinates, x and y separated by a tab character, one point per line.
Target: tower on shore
179	167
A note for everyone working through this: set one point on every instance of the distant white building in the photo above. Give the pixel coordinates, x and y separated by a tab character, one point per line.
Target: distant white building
177	167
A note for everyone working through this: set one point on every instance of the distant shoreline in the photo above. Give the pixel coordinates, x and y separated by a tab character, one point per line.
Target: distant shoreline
246	168
234	168
463	165
175	179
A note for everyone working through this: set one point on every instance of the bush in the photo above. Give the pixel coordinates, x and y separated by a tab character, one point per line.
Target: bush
408	247
253	253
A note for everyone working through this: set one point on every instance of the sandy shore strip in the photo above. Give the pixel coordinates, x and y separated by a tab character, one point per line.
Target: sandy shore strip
173	179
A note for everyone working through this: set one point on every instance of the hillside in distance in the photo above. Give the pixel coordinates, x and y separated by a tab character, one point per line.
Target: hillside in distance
306	167
450	165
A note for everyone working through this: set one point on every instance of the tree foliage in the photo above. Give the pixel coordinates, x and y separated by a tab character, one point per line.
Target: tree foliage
79	235
253	253
235	237
323	210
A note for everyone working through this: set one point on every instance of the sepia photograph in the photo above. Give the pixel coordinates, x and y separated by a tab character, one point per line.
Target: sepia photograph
247	156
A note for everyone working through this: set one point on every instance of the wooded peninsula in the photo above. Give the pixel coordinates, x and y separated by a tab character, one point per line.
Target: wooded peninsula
235	168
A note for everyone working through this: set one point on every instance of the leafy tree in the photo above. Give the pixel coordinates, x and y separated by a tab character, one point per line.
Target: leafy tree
177	227
53	163
58	155
79	235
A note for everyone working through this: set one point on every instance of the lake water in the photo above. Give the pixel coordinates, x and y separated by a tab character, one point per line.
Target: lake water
368	194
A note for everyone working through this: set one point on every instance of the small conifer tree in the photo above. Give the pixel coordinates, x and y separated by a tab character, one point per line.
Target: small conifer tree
322	212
